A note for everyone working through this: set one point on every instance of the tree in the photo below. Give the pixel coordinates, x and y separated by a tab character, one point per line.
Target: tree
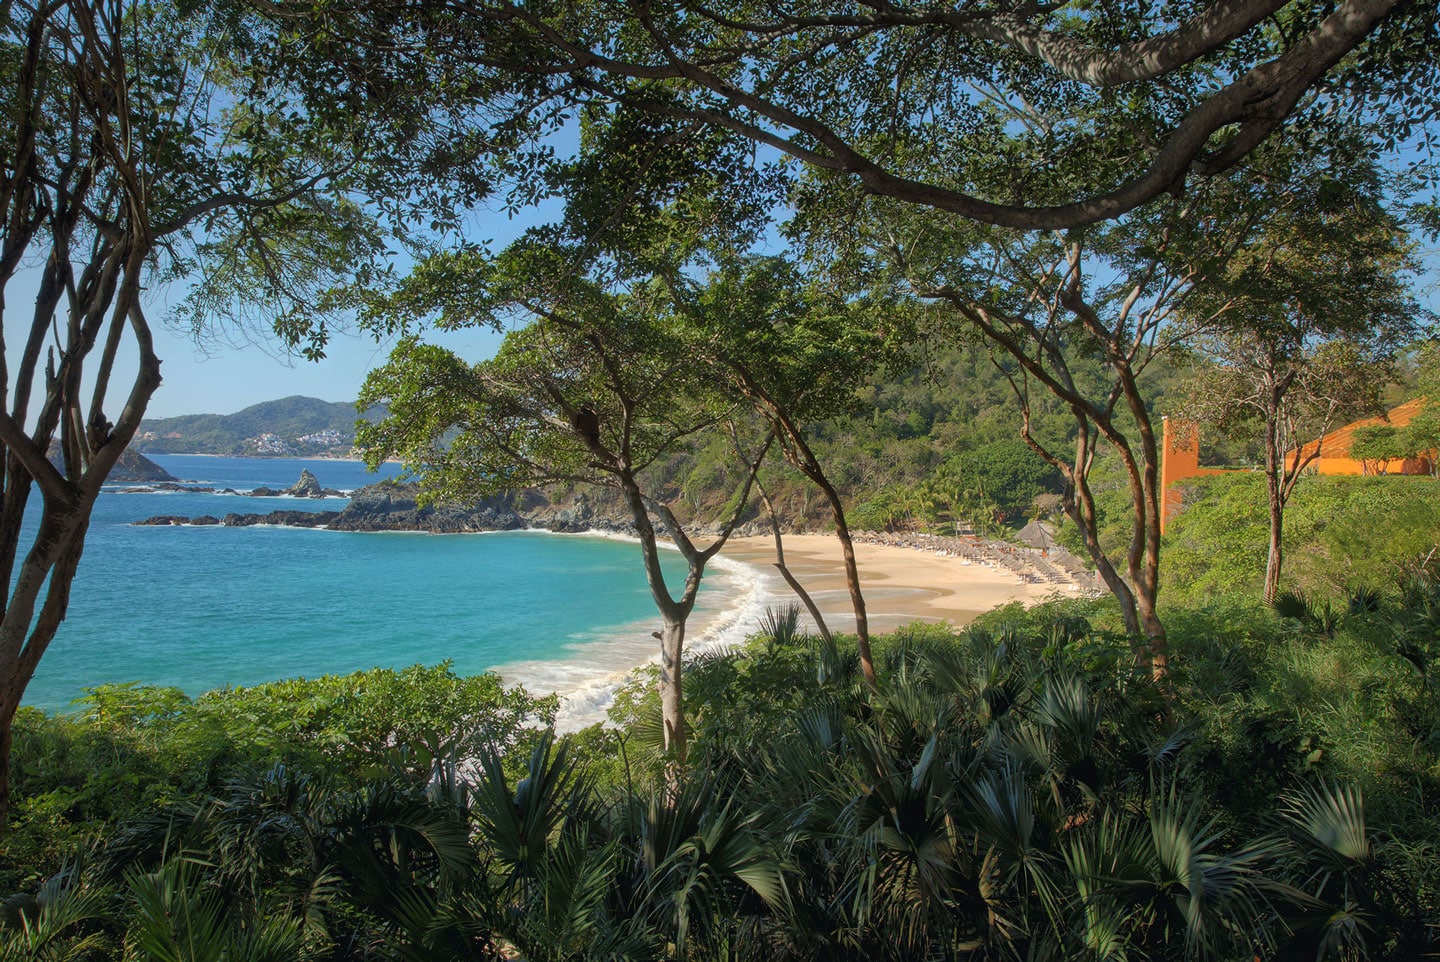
1319	302
1375	446
144	142
797	355
1169	94
1421	438
1422	434
1076	318
1013	473
1081	316
595	388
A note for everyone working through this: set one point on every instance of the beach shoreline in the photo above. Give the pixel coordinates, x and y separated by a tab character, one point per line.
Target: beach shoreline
902	584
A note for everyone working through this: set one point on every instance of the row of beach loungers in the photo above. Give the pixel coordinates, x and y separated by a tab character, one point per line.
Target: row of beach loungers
1031	565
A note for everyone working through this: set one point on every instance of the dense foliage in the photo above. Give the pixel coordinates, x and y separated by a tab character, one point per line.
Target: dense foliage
129	748
1342	534
1014	790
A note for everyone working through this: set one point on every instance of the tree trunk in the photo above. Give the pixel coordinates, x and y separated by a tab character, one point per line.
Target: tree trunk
1079	503
1103	567
673	615
810	465
1275	501
1154	632
798	453
852	582
52	562
1274	557
805	599
780	566
1147	582
672	708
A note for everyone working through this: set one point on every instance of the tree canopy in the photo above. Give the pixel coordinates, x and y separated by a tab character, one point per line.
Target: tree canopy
150	143
1135	100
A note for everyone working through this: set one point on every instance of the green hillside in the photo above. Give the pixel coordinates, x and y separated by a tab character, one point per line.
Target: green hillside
289	426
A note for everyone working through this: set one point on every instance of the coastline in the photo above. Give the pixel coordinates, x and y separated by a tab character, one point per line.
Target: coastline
265	457
902	584
906	578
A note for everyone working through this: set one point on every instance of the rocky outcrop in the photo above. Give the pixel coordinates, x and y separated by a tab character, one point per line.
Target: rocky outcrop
132	467
576	516
390	506
377	507
395	507
307	487
289	519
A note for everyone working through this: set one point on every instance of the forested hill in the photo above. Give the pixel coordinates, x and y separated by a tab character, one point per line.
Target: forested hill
926	443
290	426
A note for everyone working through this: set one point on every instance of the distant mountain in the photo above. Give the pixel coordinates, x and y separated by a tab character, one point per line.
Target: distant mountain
294	426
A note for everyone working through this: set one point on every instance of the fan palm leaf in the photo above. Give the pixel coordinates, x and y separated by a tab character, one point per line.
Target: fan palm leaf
64	922
519	823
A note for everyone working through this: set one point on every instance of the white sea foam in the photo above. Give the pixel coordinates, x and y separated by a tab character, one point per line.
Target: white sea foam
600	666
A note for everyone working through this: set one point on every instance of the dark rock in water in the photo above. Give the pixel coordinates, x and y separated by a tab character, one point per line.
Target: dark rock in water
389	506
205	519
394	507
163	519
307	487
293	519
134	466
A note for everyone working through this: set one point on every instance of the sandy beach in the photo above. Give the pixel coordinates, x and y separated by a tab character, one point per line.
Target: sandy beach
901	584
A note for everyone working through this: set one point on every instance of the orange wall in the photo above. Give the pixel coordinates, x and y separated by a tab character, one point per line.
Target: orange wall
1343	465
1179	459
1335	446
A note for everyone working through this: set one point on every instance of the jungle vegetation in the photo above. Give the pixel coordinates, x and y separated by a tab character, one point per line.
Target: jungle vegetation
1016	789
1086	201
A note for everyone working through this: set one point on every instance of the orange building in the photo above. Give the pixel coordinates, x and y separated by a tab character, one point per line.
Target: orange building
1335	447
1180	454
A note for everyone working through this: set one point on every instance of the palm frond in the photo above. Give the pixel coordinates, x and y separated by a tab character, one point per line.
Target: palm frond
1330	820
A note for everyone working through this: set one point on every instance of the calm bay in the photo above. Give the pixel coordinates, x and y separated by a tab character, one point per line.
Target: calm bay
202	607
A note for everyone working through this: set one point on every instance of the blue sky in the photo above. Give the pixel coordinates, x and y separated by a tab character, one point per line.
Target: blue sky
221	377
225	373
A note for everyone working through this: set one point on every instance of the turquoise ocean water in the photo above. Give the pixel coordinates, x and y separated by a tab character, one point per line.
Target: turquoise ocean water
205	607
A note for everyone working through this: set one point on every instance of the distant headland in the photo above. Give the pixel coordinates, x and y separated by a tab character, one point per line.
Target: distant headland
291	427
